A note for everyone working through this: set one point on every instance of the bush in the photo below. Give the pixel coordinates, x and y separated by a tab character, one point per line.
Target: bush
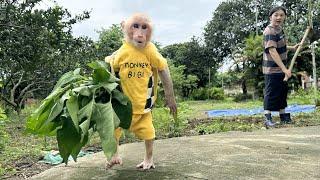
3	134
242	97
215	93
199	94
305	96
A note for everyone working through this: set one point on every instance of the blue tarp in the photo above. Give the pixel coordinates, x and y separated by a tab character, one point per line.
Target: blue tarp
236	112
54	158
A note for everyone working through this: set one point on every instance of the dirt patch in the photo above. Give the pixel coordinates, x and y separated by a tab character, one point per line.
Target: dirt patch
26	167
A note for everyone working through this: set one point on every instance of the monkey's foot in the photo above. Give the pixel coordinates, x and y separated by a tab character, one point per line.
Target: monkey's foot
146	165
116	159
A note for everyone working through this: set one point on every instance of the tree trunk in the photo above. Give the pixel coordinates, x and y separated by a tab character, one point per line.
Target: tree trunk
244	82
244	86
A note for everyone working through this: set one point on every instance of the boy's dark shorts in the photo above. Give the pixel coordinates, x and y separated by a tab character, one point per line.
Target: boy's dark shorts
275	92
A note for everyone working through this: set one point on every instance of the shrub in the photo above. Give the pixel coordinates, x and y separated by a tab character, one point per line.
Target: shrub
3	134
305	96
199	94
215	93
242	97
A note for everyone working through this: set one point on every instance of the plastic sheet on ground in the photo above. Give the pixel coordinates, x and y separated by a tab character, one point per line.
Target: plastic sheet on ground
54	158
293	109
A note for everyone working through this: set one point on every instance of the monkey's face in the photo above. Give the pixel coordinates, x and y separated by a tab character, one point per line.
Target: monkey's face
138	31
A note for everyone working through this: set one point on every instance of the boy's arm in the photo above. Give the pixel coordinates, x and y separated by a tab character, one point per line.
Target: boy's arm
168	90
277	59
293	48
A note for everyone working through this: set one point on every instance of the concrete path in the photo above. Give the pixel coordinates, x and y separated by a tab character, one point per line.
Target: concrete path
288	153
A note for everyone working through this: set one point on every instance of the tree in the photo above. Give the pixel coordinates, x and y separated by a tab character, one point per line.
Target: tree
171	51
252	70
109	41
183	84
195	57
233	22
36	48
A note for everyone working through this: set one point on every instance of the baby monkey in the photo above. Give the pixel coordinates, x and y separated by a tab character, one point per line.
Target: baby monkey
139	64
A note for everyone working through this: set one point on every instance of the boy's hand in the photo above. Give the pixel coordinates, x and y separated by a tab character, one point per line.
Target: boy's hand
295	47
287	73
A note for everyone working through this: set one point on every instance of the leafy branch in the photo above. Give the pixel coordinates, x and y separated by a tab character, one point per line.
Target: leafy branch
80	105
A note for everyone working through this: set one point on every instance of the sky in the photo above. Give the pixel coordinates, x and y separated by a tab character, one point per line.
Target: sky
174	21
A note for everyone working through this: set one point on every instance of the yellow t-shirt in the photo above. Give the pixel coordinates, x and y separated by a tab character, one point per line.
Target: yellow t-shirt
138	71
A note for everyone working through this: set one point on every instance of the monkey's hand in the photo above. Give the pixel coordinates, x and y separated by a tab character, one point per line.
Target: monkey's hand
168	91
116	159
110	58
172	105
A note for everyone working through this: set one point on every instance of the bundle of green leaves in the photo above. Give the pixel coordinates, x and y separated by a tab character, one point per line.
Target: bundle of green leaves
80	105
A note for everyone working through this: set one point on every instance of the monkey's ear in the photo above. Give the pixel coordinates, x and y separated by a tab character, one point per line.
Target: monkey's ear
123	23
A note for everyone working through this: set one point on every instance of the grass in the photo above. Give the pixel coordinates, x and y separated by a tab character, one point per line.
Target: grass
224	126
20	146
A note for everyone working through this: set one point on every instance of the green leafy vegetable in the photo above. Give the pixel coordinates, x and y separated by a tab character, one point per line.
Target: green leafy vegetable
80	105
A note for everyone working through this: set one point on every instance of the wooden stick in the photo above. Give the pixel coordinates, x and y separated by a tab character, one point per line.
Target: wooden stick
298	50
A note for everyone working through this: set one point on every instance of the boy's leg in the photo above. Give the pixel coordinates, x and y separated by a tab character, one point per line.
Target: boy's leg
282	111
116	159
281	115
285	117
268	119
